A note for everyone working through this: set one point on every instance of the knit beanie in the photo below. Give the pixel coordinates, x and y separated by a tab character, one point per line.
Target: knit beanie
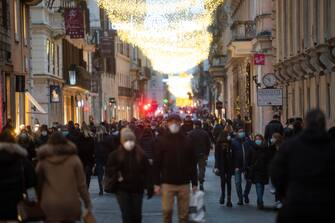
127	135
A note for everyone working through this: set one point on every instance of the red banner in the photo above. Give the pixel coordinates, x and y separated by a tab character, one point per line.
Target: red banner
74	23
259	59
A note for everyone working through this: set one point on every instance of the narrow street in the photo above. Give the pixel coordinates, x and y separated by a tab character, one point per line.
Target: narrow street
107	210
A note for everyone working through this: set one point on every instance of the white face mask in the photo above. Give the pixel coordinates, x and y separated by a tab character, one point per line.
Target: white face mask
228	138
129	145
44	133
174	128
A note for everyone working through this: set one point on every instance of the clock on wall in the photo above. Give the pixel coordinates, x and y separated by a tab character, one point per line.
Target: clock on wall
269	80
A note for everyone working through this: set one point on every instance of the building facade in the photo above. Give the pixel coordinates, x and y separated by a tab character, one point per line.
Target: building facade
304	56
61	65
244	28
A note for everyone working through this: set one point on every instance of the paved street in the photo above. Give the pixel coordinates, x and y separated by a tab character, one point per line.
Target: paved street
107	210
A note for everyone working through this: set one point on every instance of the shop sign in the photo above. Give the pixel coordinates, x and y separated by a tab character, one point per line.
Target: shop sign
55	95
259	59
74	23
269	97
106	46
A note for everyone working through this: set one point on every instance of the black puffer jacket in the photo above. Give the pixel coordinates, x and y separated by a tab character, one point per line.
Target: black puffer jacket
175	160
302	173
201	142
223	155
86	151
12	158
260	165
132	167
146	142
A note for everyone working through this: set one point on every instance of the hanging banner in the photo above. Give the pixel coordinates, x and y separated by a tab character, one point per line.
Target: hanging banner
259	59
55	94
74	23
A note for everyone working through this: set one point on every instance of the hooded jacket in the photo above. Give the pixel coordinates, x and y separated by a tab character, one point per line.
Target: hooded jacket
61	182
12	158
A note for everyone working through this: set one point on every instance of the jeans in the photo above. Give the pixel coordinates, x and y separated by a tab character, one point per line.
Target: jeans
131	206
182	192
202	161
226	179
100	172
260	193
238	184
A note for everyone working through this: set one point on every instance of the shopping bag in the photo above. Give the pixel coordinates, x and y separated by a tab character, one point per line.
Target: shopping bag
197	207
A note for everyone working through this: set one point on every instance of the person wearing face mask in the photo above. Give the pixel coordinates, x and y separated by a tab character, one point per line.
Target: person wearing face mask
44	136
132	167
259	168
175	167
241	156
223	163
27	143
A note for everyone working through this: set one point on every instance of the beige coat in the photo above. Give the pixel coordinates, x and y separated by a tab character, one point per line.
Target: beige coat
61	182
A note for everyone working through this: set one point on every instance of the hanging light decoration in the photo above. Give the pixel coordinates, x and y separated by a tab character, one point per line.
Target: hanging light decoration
173	34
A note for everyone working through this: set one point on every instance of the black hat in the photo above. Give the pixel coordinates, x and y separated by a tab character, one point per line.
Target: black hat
174	117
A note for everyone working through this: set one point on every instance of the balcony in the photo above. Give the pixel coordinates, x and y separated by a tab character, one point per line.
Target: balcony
217	66
243	30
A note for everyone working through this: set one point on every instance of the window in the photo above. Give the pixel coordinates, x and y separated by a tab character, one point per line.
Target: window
58	59
308	99
328	102
306	23
48	54
53	56
316	24
16	20
317	95
327	20
293	100
298	36
286	29
25	30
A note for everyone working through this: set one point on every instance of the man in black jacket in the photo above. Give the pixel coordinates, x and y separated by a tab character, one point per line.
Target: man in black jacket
175	169
274	126
301	172
202	145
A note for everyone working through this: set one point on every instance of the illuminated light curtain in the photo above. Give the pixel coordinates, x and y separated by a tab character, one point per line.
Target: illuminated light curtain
172	34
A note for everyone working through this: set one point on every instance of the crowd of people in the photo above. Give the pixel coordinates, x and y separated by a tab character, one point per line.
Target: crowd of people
168	157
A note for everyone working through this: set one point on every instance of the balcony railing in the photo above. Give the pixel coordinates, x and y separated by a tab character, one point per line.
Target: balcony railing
243	30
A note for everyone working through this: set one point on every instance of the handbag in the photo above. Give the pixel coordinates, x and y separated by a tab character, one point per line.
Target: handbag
27	210
197	210
110	183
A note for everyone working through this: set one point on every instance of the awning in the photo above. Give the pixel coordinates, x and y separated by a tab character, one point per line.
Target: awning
35	103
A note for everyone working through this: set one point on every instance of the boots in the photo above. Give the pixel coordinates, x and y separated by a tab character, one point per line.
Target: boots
229	204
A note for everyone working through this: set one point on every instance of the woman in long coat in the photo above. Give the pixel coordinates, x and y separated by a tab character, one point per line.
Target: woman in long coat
61	180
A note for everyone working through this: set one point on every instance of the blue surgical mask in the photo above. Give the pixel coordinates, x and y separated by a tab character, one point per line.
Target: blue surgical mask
241	134
258	142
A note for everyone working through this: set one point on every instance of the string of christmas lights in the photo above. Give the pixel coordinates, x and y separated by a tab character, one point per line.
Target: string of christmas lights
171	33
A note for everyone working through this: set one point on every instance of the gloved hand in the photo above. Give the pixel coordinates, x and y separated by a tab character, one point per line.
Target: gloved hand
150	193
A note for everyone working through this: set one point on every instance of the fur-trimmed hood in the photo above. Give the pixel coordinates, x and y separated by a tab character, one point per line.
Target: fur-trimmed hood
13	148
56	153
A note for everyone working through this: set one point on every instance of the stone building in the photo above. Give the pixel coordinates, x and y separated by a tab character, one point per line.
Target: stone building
15	62
243	28
304	51
61	65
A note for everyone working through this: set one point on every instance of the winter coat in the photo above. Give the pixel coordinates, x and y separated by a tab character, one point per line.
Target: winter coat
241	154
86	151
201	142
259	165
147	143
62	182
103	149
187	127
274	126
28	144
42	140
302	173
218	129
12	158
223	156
133	167
175	161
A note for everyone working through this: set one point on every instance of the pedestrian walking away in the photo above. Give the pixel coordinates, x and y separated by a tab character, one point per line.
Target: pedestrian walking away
61	181
202	145
301	172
